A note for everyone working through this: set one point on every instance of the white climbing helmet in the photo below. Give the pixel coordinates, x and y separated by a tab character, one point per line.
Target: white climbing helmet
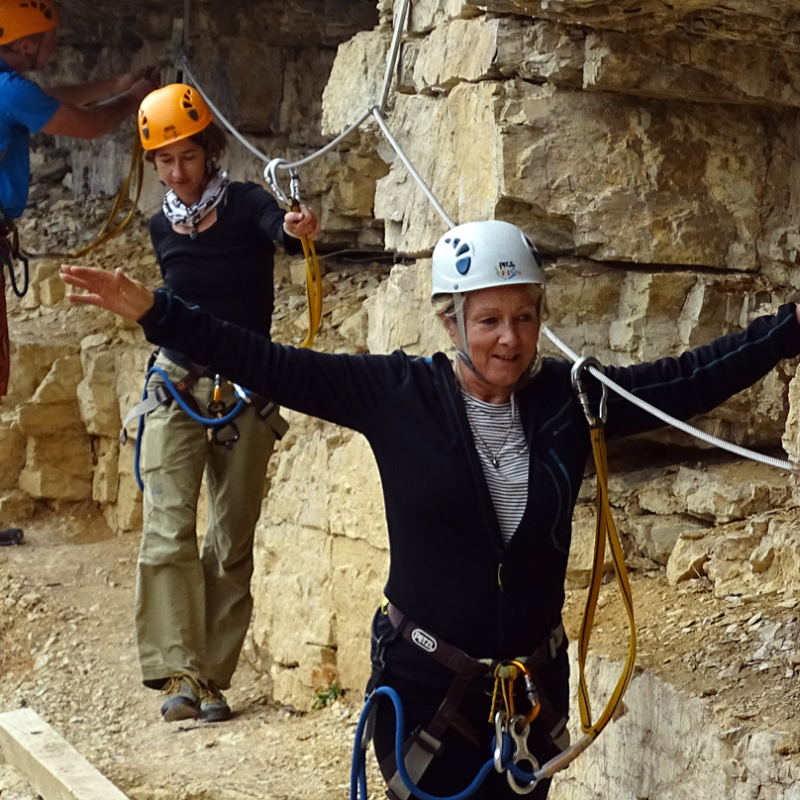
479	255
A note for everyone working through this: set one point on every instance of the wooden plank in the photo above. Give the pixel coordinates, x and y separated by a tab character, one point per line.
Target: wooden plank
53	767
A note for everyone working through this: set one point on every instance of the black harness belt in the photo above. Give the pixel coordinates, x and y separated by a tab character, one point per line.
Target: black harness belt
426	743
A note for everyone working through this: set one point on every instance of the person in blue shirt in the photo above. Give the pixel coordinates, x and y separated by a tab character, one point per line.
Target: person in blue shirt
27	42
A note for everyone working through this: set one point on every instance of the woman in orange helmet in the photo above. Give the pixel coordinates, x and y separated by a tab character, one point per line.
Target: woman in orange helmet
214	240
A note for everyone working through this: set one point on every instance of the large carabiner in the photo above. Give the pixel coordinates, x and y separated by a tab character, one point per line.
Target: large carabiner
577	384
271	177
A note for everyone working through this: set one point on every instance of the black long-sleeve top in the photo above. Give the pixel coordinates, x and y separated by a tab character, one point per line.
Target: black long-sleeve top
449	568
227	268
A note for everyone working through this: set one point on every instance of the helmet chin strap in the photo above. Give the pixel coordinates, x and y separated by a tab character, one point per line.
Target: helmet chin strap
463	352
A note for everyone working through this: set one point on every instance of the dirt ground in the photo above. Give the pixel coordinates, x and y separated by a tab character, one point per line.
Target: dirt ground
67	649
67	652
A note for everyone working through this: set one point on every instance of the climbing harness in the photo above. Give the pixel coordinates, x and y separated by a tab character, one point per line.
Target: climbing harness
221	424
10	252
509	750
426	743
358	772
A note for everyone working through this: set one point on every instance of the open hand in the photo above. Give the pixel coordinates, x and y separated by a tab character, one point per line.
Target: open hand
110	290
302	223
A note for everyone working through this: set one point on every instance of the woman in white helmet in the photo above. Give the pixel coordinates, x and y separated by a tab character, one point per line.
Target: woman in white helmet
481	459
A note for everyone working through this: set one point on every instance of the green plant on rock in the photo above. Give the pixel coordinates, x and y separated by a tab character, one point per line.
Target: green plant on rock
327	696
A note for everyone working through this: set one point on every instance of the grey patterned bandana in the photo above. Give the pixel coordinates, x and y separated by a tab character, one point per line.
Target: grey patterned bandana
180	214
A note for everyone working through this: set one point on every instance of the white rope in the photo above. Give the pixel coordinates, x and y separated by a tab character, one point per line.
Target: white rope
274	164
664	417
218	114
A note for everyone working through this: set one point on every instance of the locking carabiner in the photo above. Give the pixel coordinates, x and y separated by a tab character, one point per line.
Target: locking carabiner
223	435
575	376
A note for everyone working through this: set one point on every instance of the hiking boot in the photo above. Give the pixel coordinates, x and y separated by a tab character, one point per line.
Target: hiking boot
213	705
183	698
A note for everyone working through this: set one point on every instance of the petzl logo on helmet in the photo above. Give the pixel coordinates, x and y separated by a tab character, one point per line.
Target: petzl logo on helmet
506	270
424	640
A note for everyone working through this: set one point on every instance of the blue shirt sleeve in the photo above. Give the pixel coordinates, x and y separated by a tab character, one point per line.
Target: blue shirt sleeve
26	103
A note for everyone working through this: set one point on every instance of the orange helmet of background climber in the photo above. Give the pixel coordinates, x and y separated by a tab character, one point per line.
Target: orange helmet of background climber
173	112
19	18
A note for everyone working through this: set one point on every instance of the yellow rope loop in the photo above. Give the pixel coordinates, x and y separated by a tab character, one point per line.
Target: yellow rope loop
605	530
313	285
504	676
131	185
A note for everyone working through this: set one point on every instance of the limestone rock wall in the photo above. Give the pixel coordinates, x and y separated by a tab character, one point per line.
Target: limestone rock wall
681	736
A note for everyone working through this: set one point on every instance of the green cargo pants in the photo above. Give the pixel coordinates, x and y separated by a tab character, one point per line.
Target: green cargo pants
193	608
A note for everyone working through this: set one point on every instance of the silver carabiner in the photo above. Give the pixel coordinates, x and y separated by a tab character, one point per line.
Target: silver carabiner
271	177
577	384
294	186
521	754
499	730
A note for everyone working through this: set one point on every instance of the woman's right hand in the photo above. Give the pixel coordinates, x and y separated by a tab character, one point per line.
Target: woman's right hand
110	290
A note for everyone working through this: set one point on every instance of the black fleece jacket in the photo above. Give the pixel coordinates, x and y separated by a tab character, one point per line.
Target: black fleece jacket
450	571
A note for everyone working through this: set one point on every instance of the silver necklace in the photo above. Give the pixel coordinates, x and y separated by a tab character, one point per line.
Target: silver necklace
494	457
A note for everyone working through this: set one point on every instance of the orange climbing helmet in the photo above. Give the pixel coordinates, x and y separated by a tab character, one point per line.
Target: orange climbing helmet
20	18
171	113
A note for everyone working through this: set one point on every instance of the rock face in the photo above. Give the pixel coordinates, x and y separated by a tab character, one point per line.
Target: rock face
669	730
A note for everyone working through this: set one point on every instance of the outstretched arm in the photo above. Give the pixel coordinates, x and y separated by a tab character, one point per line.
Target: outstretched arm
703	378
81	94
77	122
349	390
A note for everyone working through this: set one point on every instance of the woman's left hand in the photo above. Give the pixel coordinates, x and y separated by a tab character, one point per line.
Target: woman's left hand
110	290
302	223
